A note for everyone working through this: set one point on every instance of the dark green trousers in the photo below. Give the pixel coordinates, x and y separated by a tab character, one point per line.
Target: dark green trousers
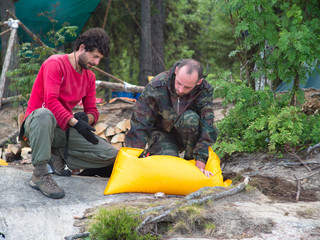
183	137
43	133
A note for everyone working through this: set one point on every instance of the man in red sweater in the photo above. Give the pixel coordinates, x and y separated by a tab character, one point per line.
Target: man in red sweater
56	135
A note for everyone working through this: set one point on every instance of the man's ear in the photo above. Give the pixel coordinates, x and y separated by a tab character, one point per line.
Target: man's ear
82	48
176	71
199	81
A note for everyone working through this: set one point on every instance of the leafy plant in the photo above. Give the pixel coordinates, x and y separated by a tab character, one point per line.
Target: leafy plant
30	60
116	224
261	120
31	57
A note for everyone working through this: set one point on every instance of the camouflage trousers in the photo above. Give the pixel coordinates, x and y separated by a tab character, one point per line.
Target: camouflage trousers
182	137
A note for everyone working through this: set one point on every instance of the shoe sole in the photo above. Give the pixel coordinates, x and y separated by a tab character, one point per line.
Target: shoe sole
55	196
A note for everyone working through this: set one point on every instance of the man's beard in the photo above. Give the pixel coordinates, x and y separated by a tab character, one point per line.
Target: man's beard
83	61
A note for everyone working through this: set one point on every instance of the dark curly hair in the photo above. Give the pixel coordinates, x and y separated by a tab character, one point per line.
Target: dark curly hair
94	38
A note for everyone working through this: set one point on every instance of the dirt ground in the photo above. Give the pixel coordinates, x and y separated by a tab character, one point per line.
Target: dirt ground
282	200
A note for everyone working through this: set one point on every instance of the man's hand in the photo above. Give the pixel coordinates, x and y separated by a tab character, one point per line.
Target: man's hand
85	130
81	115
202	166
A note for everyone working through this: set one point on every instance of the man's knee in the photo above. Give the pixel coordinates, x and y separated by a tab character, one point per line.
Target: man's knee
189	119
44	117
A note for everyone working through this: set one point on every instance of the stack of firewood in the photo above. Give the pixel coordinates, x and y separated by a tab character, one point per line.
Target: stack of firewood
113	134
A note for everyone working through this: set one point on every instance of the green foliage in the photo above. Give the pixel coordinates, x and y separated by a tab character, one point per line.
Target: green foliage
200	30
261	121
30	60
31	57
116	224
283	34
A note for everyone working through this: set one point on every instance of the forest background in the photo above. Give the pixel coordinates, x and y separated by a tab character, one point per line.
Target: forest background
247	49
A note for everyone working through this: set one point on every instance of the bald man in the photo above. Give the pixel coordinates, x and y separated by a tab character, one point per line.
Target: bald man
174	114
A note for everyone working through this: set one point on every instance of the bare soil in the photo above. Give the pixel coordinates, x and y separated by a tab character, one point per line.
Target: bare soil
282	200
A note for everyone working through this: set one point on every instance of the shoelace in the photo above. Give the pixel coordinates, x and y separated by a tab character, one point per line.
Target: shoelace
48	179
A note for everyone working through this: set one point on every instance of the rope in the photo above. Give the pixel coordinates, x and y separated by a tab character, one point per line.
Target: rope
106	15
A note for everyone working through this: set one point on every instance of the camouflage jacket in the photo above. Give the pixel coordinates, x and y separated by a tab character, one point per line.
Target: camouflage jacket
158	107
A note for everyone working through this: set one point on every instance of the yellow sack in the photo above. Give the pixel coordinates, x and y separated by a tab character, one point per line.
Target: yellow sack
3	162
161	173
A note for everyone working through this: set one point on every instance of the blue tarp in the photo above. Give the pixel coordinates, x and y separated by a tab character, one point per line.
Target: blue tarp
313	81
75	12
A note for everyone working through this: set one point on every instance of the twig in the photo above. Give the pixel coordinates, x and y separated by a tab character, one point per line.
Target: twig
298	188
156	208
296	156
143	223
313	147
162	216
78	235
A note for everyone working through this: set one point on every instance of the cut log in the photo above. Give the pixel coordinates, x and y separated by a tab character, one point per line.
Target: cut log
14	148
100	128
124	125
117	145
120	137
26	153
110	131
103	135
117	130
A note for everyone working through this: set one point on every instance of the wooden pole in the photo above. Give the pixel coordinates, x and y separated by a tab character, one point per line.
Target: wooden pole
6	63
27	30
120	87
5	32
108	74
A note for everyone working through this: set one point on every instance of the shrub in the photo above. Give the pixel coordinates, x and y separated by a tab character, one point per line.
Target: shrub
261	120
116	224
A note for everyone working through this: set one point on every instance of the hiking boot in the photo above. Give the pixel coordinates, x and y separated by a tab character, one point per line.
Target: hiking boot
47	186
57	164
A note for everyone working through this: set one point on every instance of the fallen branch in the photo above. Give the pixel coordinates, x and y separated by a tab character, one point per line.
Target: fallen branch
9	138
199	192
120	87
214	196
296	156
13	99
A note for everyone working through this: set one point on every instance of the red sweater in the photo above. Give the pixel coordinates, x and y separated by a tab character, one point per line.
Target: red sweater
59	87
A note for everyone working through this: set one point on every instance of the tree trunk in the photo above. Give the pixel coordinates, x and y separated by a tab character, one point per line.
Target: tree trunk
145	48
295	87
157	37
4	5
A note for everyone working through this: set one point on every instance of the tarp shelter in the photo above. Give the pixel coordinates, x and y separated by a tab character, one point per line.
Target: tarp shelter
75	12
312	82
